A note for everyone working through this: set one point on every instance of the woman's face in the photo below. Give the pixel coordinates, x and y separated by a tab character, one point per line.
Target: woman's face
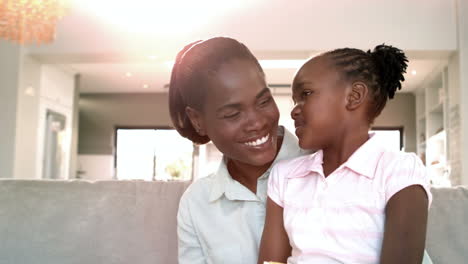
240	115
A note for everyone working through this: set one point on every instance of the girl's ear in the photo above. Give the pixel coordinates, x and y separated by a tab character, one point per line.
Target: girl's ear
196	120
356	96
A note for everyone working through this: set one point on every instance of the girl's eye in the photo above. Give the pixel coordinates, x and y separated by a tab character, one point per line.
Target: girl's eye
300	96
305	93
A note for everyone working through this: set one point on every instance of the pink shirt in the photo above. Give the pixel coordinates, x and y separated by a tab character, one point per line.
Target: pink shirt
340	218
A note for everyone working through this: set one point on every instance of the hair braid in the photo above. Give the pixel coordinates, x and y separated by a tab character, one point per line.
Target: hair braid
381	69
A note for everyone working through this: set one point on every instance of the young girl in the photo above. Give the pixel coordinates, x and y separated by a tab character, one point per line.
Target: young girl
352	201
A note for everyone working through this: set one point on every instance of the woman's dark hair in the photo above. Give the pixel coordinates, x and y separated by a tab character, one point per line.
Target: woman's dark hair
195	64
381	69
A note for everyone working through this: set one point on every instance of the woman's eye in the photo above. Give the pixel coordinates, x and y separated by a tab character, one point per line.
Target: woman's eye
265	101
231	115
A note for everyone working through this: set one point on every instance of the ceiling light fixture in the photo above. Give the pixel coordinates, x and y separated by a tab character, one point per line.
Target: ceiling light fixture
28	21
145	86
413	72
30	91
128	74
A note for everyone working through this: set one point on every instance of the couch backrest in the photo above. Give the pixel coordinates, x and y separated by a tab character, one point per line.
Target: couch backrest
75	222
121	222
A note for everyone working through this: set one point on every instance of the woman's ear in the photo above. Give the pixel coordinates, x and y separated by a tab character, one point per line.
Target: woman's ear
356	96
196	120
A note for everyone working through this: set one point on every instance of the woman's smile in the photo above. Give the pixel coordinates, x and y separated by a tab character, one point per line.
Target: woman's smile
259	142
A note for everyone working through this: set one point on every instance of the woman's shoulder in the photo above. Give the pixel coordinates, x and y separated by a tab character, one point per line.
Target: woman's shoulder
199	189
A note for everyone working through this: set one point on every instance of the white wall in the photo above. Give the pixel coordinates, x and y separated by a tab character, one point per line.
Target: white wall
75	129
324	25
27	119
401	111
10	55
27	89
463	60
454	129
56	94
96	167
270	25
285	105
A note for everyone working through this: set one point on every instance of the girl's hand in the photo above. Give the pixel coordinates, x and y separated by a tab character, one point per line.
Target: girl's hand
275	242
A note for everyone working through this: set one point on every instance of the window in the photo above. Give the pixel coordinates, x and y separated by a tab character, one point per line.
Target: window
390	137
208	159
153	154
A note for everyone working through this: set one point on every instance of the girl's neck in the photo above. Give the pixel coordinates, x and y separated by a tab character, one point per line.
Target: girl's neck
344	146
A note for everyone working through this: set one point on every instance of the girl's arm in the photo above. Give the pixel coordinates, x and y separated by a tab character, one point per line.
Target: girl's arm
405	226
274	245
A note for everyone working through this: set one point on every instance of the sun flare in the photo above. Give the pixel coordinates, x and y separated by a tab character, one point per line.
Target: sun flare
157	16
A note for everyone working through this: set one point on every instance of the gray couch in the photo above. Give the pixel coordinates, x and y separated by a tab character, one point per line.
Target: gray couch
79	222
65	222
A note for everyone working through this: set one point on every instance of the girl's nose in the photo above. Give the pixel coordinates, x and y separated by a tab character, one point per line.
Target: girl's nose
296	111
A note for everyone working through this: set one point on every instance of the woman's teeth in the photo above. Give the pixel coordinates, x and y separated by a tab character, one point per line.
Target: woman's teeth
258	141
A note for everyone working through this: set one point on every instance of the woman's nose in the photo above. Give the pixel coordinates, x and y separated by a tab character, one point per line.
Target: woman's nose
256	120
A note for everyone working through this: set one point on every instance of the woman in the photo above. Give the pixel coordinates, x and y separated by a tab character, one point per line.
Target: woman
218	92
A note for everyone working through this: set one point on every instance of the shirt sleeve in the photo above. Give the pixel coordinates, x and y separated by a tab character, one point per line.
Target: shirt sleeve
408	170
276	185
189	248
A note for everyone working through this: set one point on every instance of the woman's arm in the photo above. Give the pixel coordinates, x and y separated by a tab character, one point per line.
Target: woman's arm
405	226
274	245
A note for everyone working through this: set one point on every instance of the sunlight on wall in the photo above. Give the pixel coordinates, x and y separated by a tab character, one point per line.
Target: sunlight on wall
156	16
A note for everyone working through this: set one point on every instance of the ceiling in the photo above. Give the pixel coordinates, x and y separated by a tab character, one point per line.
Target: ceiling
127	46
154	76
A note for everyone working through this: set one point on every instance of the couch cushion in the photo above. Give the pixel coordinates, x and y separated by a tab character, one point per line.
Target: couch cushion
88	222
447	233
68	222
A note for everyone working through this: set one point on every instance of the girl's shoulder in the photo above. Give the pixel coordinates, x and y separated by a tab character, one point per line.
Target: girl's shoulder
399	159
395	165
398	170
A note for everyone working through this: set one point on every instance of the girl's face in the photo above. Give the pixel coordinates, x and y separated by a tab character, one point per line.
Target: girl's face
319	94
240	115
